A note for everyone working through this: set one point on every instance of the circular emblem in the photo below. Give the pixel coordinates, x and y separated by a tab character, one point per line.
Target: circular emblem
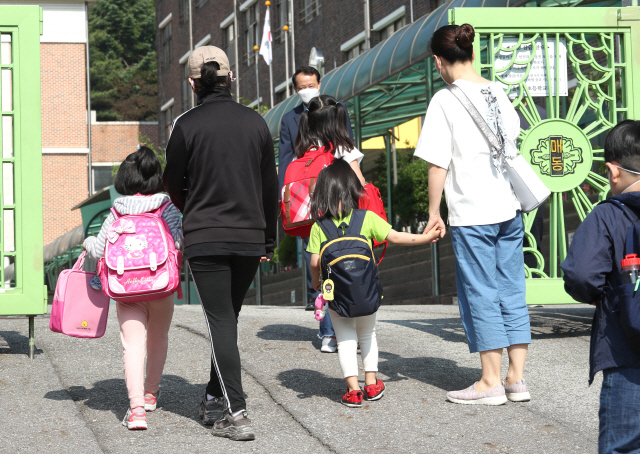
84	324
559	152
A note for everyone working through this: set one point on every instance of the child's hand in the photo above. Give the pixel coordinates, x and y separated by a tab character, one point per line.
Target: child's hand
315	283
434	234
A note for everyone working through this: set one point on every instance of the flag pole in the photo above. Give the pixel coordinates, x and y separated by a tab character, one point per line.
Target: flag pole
256	49
286	56
266	47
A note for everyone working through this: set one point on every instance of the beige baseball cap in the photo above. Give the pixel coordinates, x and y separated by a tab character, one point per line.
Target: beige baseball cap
205	54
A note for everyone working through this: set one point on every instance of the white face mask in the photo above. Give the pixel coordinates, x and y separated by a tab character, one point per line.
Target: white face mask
626	170
308	94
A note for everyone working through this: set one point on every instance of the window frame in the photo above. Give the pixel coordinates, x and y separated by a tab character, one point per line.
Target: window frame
167	45
251	32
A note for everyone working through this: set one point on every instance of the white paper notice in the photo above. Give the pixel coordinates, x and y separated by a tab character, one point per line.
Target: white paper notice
537	81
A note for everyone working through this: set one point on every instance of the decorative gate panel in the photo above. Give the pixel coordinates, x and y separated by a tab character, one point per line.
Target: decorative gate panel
579	67
22	290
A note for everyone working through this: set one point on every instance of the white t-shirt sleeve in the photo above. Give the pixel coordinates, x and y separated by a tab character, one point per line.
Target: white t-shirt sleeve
435	144
348	156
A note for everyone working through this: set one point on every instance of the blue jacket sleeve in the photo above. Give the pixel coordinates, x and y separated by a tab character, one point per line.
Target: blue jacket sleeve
586	268
285	154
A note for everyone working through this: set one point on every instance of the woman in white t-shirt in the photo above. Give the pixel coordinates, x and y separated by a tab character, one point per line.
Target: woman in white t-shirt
484	217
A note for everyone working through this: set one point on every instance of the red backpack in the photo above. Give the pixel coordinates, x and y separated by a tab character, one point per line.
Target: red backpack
372	201
299	184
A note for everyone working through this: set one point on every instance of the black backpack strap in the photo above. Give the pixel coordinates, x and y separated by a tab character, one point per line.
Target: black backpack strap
357	220
329	228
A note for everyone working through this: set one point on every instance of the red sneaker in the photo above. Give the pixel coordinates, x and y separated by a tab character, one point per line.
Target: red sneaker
374	392
352	399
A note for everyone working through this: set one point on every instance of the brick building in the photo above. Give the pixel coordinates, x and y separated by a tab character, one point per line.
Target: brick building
335	27
66	125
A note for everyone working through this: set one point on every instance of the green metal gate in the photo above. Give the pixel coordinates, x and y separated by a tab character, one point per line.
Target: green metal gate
22	290
581	67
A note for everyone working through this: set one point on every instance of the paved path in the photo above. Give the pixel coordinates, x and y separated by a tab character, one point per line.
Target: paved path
72	397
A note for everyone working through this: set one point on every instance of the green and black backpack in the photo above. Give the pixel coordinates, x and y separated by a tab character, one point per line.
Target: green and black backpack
347	259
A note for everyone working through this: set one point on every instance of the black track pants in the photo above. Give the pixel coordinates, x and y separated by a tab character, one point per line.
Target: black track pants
222	283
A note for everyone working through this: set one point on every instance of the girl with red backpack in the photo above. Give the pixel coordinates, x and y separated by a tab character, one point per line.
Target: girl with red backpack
144	324
343	265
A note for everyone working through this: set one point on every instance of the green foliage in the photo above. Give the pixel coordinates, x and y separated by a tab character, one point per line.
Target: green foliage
410	197
287	252
123	66
144	140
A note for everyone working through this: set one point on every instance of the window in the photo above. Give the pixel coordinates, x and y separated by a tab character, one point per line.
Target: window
228	35
166	46
355	51
102	175
201	3
184	10
167	119
310	9
440	3
391	29
251	37
186	88
280	19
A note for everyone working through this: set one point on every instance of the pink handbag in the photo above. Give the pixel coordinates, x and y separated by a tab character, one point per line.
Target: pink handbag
78	309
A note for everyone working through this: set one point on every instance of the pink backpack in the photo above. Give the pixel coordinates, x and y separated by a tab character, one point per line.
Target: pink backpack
78	310
141	262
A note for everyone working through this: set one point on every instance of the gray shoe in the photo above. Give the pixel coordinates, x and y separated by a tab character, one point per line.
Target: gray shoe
211	410
237	428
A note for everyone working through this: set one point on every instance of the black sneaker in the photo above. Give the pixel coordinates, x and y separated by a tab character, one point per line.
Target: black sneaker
211	410
310	307
237	428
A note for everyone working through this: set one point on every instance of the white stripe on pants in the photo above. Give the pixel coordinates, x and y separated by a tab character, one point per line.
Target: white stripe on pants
350	331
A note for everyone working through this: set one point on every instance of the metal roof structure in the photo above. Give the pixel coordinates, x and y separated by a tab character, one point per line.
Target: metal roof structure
392	82
387	84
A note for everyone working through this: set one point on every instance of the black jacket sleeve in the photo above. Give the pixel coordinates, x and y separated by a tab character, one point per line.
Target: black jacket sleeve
175	173
285	153
269	193
586	268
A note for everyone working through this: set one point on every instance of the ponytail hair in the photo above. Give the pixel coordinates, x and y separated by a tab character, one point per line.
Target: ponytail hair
326	122
338	191
454	43
139	173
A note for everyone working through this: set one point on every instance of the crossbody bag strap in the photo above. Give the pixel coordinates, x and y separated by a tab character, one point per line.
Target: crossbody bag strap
478	119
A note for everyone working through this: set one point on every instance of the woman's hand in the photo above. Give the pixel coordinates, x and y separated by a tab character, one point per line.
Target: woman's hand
264	259
435	221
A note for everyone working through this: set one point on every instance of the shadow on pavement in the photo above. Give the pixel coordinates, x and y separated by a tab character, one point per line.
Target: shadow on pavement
286	332
545	324
15	343
441	373
178	396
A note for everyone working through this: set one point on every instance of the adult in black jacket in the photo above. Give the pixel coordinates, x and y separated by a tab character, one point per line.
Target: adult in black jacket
221	174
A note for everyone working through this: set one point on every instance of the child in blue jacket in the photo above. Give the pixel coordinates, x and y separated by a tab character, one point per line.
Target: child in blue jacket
592	275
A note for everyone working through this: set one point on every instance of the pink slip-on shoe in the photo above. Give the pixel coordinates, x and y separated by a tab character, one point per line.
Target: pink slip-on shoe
469	396
518	392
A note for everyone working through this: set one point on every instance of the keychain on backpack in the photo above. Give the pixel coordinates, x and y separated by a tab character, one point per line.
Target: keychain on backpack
327	290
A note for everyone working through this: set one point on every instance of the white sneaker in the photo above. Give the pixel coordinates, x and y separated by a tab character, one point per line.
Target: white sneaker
329	344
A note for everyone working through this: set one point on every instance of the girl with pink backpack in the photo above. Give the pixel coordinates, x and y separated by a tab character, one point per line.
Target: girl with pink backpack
138	249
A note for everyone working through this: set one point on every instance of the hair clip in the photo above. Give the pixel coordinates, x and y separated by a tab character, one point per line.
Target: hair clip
233	79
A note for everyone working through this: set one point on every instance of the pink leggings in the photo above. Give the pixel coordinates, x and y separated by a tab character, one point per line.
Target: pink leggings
144	331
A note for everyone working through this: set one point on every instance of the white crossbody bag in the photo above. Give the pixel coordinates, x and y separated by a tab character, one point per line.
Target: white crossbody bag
529	189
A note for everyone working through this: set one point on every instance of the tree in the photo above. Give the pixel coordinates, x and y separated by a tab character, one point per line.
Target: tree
410	197
123	64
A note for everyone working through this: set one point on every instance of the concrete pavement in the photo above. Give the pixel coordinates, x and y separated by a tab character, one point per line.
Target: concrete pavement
72	397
